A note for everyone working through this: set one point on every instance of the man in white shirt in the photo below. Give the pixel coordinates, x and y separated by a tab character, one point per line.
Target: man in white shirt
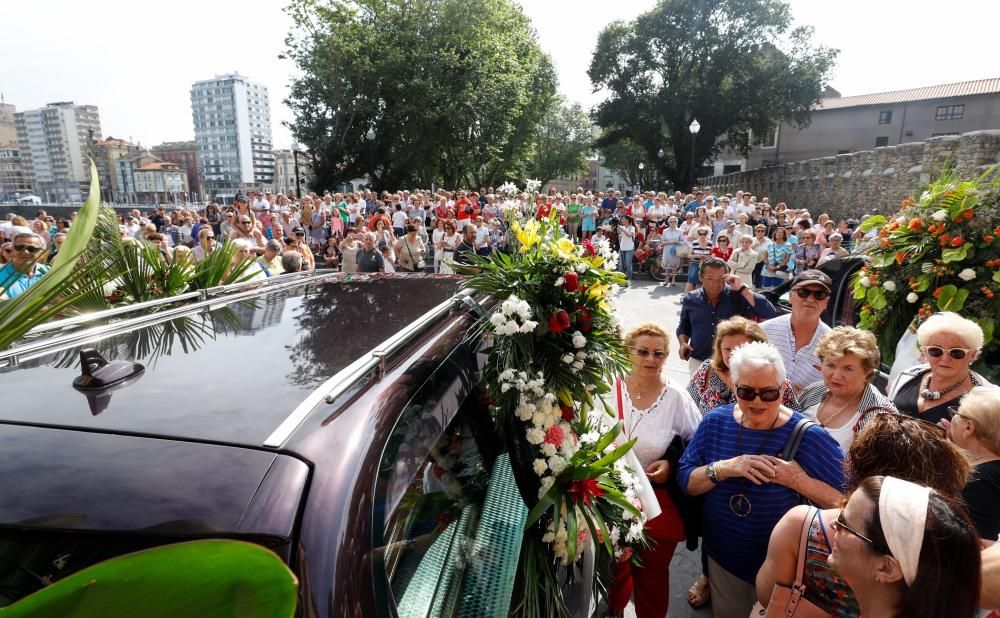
797	334
260	202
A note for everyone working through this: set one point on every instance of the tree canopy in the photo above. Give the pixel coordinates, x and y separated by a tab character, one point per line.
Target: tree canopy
413	92
561	143
737	66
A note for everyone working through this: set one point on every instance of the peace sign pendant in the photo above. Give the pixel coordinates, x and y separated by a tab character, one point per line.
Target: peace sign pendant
740	505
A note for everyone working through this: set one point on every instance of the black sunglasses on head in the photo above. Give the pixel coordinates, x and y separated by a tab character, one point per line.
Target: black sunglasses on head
937	352
767	395
817	294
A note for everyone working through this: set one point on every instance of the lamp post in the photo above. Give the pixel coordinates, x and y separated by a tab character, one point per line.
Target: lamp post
642	166
694	128
295	158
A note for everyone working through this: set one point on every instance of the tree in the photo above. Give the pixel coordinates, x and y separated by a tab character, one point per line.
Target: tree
562	141
735	65
412	92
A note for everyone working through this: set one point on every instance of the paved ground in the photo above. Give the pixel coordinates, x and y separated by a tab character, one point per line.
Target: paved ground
647	301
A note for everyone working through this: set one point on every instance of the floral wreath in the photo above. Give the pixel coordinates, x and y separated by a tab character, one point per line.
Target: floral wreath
555	347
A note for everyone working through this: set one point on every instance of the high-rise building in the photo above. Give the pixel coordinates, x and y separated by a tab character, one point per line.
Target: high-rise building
108	152
8	133
13	181
232	128
57	143
184	154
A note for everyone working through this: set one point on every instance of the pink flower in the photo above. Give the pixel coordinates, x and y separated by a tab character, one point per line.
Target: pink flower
555	435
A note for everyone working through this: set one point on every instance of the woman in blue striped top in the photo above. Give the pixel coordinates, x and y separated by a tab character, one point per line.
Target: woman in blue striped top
733	460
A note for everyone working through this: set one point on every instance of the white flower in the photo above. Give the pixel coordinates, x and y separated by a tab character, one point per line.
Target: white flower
535	435
634	532
548	450
531	185
866	282
590	437
967	275
528	327
504	387
578	365
579	340
890	285
498	319
557	464
940	215
559	282
581	267
926	267
568	359
912	297
548	537
540	467
902	220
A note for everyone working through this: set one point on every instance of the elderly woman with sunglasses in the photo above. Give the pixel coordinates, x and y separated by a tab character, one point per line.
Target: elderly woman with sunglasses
661	416
975	427
891	444
949	344
733	461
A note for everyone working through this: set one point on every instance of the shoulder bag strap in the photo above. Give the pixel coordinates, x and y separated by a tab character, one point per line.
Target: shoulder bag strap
795	439
867	414
621	411
803	543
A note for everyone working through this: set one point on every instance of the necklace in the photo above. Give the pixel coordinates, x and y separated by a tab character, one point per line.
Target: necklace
930	395
848	406
739	503
638	393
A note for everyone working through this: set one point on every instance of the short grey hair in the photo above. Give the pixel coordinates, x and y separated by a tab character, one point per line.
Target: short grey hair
291	261
28	235
754	355
950	322
244	244
273	245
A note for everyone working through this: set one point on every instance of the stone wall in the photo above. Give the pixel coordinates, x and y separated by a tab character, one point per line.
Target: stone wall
857	183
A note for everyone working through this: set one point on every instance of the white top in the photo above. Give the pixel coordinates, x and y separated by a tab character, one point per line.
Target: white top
673	413
800	365
398	219
844	435
626	237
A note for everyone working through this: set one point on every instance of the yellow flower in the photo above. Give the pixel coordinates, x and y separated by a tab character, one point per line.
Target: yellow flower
565	248
596	261
527	235
598	291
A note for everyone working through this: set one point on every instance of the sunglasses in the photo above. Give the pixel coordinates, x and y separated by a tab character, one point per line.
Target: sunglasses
644	353
817	294
937	352
766	394
27	248
702	233
841	526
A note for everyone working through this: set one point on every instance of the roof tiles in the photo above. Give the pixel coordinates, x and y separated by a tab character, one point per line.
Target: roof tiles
944	91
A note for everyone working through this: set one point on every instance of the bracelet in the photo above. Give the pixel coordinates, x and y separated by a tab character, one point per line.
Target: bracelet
742	288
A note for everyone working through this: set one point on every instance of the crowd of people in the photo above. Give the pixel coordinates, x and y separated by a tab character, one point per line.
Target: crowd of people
812	490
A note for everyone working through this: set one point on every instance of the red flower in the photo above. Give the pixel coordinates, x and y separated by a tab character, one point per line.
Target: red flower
915	224
988	238
567	413
969	214
555	435
558	321
571	281
589	247
584	491
957	241
937	292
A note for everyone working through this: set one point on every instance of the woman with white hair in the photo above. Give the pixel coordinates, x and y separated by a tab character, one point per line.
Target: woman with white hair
754	460
949	345
975	427
834	249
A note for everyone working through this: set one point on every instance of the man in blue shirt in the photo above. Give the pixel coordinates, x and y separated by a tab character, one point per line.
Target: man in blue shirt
22	271
722	296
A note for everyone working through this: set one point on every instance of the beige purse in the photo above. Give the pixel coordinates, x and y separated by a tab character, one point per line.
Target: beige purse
789	602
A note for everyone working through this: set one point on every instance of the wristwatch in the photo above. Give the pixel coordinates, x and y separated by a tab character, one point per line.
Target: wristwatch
711	473
742	287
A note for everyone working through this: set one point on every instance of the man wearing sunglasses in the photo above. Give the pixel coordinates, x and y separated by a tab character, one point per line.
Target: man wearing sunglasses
23	271
797	334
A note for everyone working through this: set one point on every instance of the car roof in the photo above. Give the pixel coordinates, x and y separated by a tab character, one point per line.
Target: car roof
230	374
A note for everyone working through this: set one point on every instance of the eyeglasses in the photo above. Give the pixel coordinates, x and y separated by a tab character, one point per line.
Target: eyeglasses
8	250
723	240
817	294
644	353
937	352
702	233
247	222
768	394
841	526
27	248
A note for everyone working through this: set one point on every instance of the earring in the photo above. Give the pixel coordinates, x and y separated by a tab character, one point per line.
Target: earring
877	580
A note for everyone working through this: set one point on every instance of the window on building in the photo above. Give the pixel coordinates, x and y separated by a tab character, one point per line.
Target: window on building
881	141
843	152
944	134
949	112
885	117
732	169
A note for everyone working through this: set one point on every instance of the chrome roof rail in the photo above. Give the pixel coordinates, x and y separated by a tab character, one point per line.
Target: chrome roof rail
16	354
347	377
169	300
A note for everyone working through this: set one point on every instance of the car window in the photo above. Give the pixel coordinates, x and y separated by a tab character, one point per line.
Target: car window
433	485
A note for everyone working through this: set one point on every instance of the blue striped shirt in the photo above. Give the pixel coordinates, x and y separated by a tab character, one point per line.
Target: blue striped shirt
739	544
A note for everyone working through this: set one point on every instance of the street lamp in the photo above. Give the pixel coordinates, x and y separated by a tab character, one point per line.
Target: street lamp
295	158
694	128
660	153
642	166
